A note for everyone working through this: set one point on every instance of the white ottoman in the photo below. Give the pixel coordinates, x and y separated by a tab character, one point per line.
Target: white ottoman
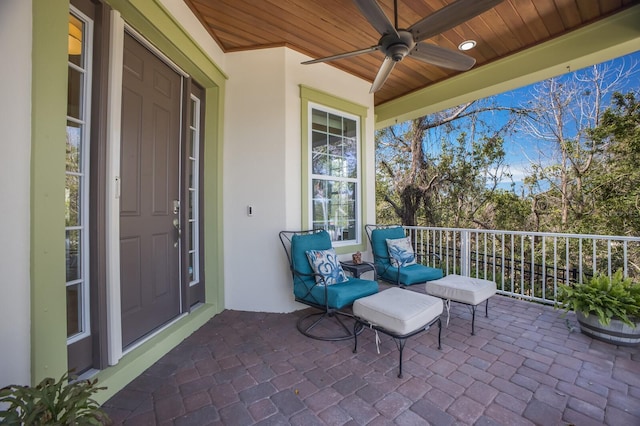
467	290
399	313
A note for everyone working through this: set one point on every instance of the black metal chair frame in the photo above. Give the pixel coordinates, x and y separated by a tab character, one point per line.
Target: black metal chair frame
377	257
399	339
308	322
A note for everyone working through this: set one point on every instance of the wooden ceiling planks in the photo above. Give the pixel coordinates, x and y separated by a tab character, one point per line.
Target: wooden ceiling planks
329	27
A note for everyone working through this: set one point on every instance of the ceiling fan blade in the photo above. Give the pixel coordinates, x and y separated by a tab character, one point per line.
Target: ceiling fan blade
450	16
343	55
371	10
383	73
442	57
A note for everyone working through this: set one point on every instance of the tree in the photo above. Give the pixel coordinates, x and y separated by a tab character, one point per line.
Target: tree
559	116
440	169
616	183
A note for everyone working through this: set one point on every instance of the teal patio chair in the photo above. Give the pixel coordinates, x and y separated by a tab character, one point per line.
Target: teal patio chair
320	282
395	259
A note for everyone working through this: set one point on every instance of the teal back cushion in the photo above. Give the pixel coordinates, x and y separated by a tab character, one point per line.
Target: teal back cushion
300	244
379	243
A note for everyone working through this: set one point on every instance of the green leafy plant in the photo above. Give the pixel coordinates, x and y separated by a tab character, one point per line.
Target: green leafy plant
616	297
63	402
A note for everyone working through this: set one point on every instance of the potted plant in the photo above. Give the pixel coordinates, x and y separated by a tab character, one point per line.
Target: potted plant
607	309
63	402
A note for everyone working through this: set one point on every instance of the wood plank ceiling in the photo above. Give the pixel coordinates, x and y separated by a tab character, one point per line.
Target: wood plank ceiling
320	28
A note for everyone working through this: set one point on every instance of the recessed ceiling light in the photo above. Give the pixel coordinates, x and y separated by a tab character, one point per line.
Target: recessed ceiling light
467	45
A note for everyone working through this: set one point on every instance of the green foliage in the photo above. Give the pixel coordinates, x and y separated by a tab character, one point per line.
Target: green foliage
52	403
618	297
615	184
441	169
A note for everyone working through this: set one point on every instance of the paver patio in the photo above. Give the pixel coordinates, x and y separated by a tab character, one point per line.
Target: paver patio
527	364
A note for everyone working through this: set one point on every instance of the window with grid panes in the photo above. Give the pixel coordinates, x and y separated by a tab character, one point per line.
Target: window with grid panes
334	170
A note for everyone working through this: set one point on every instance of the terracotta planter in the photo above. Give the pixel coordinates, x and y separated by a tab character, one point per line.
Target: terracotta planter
617	332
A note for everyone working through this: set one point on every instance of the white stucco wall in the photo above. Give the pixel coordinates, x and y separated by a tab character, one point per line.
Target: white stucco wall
15	149
262	168
186	18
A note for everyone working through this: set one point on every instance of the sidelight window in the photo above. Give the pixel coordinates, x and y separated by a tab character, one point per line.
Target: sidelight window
77	176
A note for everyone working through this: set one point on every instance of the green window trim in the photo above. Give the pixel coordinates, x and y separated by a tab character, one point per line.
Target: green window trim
308	97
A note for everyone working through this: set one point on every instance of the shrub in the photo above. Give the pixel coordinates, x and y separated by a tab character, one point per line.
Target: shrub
52	403
616	297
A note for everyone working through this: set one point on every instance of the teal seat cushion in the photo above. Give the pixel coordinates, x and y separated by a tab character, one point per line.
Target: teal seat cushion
379	239
412	274
337	295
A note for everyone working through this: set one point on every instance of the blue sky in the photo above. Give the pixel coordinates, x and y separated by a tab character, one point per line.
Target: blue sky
520	148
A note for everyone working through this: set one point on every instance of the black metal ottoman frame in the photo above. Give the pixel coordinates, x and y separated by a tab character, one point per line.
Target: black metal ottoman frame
447	303
399	339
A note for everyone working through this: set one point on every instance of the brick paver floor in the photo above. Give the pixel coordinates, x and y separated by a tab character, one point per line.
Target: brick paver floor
527	364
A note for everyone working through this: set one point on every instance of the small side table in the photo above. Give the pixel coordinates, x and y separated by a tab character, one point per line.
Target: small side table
359	269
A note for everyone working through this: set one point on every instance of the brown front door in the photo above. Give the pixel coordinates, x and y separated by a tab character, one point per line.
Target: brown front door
150	158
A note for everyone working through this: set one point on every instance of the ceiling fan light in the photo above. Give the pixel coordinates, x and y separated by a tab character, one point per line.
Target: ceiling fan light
467	45
397	51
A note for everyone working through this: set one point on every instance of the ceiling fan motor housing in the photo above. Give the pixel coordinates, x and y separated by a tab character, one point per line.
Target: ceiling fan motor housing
397	47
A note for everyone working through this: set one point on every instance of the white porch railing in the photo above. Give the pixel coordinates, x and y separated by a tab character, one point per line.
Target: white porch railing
527	265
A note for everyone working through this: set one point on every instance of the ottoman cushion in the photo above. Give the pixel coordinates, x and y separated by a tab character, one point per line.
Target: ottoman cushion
398	310
467	290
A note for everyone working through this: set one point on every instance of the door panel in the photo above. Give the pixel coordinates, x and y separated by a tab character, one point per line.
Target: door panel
150	155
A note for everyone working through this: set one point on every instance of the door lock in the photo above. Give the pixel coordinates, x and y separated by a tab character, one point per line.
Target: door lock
176	206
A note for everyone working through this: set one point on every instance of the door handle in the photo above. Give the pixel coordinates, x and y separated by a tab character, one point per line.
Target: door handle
176	224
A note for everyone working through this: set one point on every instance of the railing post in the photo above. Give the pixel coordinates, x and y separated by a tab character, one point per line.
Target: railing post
465	253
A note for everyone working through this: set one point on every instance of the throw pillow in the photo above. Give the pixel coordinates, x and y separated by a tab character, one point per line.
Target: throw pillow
325	263
401	252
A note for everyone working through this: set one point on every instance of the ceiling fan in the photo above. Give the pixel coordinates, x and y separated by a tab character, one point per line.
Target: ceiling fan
396	43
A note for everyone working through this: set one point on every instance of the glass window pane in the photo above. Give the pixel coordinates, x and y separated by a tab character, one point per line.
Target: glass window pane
72	201
193	112
75	94
319	120
320	164
318	142
76	36
73	254
74	310
334	208
191	202
349	128
74	147
192	143
192	236
335	124
335	145
350	157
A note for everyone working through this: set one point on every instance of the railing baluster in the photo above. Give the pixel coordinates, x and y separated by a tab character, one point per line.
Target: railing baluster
502	262
566	253
458	258
485	256
609	256
513	263
624	250
580	271
533	266
493	257
555	268
544	267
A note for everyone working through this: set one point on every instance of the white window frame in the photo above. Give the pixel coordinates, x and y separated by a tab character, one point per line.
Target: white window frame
357	180
83	174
